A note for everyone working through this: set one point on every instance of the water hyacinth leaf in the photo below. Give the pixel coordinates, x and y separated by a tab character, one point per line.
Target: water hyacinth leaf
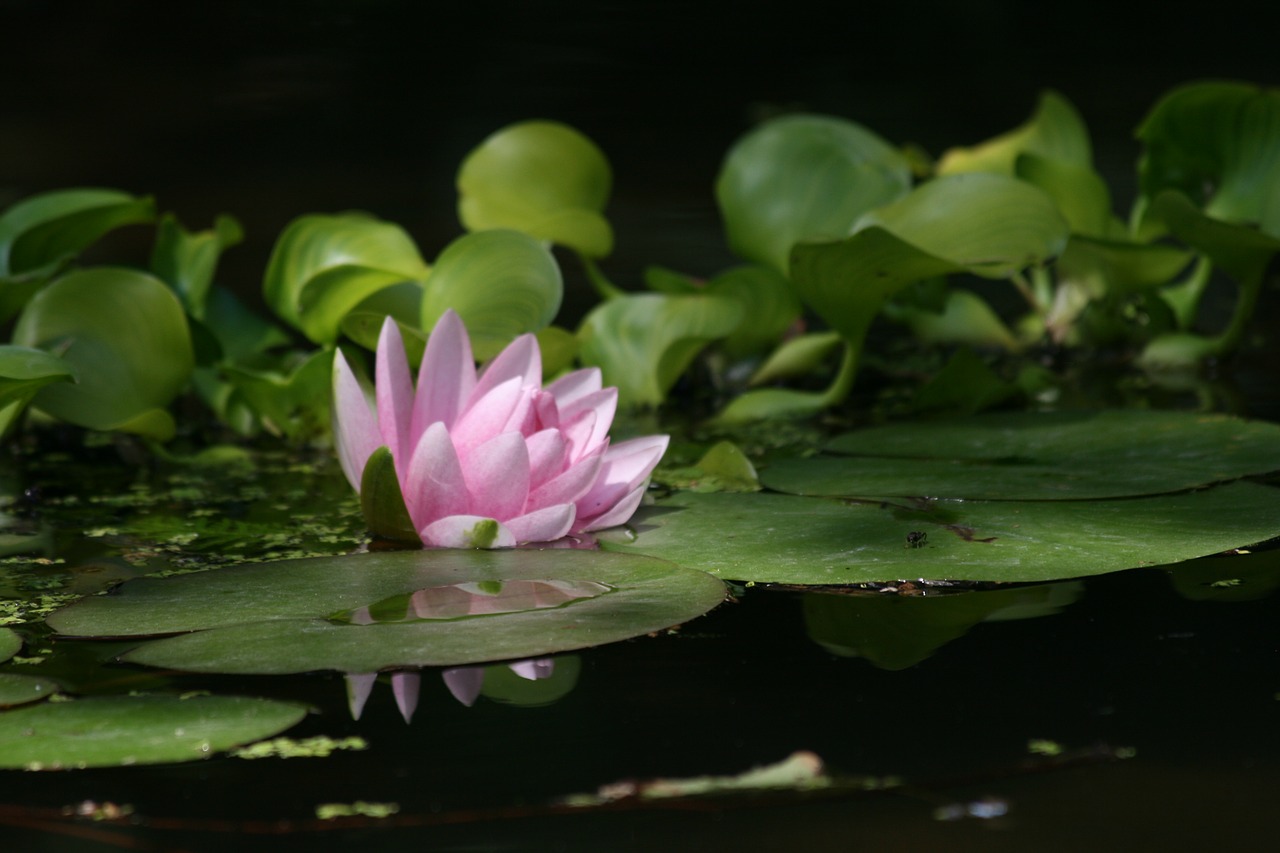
964	384
1055	132
293	403
770	307
766	403
114	731
270	615
787	539
559	348
965	318
40	233
797	356
1036	456
241	333
542	178
24	689
10	643
1080	193
804	178
324	266
1219	144
663	280
125	335
502	283
403	303
23	372
187	261
642	343
382	502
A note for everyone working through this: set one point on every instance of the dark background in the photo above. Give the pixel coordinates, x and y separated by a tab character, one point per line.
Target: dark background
268	110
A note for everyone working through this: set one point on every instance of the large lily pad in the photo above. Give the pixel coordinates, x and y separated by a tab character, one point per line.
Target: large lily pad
786	539
1037	456
271	617
18	689
10	643
114	731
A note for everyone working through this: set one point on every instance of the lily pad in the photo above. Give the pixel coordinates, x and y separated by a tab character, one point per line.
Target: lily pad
18	689
10	643
270	617
1036	456
113	731
786	539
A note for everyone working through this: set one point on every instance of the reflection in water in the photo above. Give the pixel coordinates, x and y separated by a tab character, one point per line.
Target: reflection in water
897	631
536	681
477	598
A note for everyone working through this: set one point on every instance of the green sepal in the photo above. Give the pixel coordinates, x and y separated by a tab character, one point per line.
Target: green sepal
382	501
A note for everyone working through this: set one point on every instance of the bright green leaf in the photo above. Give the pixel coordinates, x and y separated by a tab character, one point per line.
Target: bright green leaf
293	404
24	689
187	261
804	178
502	283
23	372
797	356
542	178
382	501
1055	132
44	231
769	307
643	343
324	266
10	643
125	335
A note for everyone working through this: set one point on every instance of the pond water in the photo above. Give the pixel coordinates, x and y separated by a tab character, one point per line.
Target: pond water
1135	709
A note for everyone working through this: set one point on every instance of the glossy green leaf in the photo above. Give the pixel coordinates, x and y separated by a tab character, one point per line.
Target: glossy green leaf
769	307
187	261
10	643
559	348
966	318
125	335
1036	456
403	303
42	232
797	356
115	731
644	342
324	266
269	615
897	631
382	501
1080	193
241	333
1055	132
24	689
23	372
501	283
663	280
1219	144
293	404
542	178
804	178
787	539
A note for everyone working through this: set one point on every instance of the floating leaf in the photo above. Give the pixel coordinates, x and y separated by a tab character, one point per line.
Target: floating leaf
269	615
786	539
644	342
501	283
124	334
114	731
1037	456
543	178
24	689
324	266
1054	132
10	643
804	178
187	261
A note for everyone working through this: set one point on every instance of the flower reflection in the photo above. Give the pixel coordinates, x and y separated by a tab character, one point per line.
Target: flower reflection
464	682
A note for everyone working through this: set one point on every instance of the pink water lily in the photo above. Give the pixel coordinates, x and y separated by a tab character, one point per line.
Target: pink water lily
493	458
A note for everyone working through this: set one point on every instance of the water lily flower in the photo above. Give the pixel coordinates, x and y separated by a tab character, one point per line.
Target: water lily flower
490	459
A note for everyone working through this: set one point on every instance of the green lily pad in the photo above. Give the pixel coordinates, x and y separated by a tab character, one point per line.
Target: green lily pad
10	643
18	689
787	539
270	617
112	731
1036	456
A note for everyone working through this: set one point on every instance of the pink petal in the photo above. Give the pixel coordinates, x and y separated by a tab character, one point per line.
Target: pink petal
625	469
534	669
604	404
458	531
464	682
619	513
544	525
569	485
487	416
394	389
355	427
405	686
521	358
359	686
433	485
548	454
575	385
578	433
497	475
447	376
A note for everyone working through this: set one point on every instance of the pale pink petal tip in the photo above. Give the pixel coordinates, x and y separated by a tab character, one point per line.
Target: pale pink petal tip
543	525
405	686
464	682
467	531
355	427
534	669
359	686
